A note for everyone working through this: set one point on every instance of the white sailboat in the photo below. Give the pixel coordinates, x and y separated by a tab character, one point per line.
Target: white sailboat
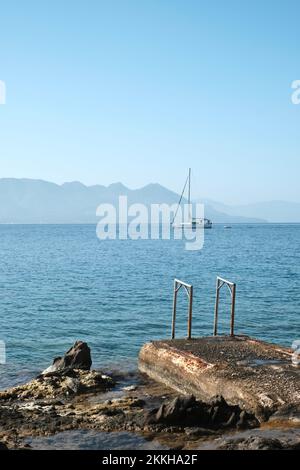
193	222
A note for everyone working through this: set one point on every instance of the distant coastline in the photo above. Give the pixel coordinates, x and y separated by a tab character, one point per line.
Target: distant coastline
26	201
221	224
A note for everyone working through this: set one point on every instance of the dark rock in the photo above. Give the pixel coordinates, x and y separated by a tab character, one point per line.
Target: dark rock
77	357
178	411
68	372
289	412
181	410
251	443
243	421
137	403
263	413
3	446
294	446
197	432
189	412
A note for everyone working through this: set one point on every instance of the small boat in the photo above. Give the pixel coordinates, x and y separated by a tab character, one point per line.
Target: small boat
193	223
227	226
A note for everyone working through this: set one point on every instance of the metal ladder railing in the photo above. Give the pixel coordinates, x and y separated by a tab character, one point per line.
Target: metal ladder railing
232	288
189	291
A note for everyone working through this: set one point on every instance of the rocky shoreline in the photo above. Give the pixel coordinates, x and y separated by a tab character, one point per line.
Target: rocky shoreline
68	396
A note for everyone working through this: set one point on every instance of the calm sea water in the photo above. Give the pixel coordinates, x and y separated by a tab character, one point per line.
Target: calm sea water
60	283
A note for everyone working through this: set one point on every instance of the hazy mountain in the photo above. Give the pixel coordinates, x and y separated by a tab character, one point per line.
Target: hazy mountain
272	211
36	201
219	216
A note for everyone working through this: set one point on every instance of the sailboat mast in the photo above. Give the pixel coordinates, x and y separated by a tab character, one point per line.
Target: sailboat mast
189	196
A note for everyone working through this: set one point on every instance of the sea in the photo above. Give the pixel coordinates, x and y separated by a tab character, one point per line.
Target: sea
60	283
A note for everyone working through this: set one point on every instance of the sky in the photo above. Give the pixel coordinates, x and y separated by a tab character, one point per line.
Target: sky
138	91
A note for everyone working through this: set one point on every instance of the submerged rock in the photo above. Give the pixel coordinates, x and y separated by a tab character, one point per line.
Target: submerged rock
77	357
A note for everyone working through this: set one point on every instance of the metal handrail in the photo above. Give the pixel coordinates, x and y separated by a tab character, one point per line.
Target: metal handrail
232	288
189	291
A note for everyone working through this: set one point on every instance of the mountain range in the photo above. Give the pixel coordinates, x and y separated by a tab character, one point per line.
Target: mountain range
270	211
37	201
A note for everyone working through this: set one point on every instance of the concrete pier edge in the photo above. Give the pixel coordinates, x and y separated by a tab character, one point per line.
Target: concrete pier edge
254	374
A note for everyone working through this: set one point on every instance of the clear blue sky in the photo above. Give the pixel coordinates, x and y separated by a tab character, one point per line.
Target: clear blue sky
137	91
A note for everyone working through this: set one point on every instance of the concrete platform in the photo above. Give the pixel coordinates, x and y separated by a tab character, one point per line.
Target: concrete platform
251	373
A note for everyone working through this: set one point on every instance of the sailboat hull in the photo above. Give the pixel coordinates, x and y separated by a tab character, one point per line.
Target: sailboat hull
206	224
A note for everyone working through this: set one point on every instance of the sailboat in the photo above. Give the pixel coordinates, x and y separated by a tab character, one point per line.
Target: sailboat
193	222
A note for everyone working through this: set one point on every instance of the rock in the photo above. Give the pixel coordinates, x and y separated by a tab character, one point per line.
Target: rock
189	412
3	446
197	432
287	413
54	385
176	412
77	357
95	380
73	384
251	443
294	446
